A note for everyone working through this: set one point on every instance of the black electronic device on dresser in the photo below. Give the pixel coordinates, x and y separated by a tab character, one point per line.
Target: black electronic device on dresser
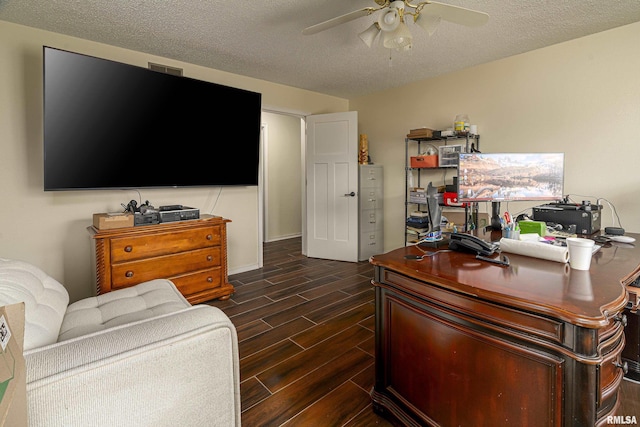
586	217
172	213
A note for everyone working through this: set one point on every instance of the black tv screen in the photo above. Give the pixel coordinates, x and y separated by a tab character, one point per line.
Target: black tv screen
109	125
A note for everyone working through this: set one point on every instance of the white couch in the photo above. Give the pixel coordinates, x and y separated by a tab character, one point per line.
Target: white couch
140	356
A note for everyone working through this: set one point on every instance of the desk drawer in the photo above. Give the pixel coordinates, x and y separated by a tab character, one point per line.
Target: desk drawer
190	284
131	273
505	319
131	248
610	372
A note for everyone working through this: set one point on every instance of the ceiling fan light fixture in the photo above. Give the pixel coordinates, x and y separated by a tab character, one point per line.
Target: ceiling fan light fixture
370	34
427	14
399	38
429	23
390	20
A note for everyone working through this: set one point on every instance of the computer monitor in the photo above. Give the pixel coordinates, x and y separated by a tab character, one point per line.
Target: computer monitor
497	177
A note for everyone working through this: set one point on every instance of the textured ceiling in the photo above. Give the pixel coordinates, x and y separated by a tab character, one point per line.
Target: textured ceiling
264	39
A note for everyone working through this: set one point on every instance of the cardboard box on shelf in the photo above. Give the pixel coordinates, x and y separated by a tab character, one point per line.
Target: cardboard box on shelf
420	133
13	384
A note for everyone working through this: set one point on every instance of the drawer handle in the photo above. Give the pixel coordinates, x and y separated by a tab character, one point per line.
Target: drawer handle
209	258
128	248
210	279
624	366
129	273
209	237
622	318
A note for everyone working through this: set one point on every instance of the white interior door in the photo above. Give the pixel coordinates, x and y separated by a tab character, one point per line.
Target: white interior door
332	186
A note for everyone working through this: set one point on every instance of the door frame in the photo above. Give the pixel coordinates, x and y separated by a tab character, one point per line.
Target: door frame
262	197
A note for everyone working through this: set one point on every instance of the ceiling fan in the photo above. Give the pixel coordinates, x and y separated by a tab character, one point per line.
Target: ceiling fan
392	20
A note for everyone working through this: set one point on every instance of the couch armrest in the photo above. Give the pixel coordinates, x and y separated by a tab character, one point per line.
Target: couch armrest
181	368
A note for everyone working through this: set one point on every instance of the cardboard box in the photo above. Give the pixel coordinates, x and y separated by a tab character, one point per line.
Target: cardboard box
420	133
424	161
108	221
13	383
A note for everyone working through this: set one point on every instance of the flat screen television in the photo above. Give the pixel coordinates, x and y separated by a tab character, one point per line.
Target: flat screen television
497	177
110	125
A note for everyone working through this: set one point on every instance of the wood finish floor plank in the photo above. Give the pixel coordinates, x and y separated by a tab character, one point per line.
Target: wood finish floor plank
252	329
338	285
302	287
333	310
232	308
305	308
291	400
275	335
335	409
267	309
332	327
290	370
262	360
252	392
250	291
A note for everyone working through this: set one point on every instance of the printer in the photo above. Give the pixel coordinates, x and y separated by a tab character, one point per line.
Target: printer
586	217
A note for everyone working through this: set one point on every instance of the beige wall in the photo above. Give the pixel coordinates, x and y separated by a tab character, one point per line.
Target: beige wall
581	98
283	184
49	229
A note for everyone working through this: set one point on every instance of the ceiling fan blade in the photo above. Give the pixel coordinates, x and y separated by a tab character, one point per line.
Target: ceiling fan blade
338	20
456	14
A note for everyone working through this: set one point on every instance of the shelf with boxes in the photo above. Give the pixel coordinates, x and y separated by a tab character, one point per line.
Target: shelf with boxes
427	150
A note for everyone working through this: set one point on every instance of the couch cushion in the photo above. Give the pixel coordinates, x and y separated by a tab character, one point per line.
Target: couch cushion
126	305
45	300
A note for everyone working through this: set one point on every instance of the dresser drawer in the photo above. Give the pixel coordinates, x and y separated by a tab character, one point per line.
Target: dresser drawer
190	284
130	273
131	248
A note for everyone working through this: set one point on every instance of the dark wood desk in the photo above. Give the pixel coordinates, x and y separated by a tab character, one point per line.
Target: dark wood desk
461	342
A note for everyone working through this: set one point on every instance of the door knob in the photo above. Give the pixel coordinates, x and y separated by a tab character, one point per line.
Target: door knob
352	194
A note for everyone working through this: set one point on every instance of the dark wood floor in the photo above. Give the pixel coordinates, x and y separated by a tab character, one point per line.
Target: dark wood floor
306	340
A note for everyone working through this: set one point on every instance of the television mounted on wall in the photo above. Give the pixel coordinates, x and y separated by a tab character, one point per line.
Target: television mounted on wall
110	125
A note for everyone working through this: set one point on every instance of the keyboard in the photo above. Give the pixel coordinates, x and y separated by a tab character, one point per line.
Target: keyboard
560	234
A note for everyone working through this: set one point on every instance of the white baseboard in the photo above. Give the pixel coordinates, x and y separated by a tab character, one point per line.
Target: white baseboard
243	269
290	236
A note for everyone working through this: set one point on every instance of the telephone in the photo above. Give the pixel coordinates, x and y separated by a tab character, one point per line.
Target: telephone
467	243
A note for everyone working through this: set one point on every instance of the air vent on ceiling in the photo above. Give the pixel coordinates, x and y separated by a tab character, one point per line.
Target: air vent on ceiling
165	69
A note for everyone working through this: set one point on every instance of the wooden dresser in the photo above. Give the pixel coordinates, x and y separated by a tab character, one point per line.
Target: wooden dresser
465	342
192	254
